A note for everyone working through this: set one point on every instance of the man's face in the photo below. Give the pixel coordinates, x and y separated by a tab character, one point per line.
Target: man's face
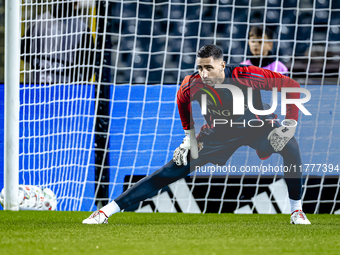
255	45
211	70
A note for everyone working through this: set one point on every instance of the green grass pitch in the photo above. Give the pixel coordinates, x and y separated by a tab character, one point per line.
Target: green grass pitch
31	232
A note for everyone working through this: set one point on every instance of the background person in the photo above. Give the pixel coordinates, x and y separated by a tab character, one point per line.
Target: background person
263	59
58	46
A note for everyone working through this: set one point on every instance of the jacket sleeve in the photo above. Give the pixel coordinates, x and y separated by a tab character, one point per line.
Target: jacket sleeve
184	104
259	78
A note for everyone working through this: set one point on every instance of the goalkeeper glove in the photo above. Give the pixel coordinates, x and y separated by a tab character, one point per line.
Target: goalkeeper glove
280	136
189	143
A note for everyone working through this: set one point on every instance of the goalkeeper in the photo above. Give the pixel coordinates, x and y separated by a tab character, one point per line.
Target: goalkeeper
217	143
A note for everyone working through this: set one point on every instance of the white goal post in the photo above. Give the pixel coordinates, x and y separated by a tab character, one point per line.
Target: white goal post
12	79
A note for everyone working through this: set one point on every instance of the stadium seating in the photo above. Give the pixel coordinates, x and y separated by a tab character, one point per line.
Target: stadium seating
292	27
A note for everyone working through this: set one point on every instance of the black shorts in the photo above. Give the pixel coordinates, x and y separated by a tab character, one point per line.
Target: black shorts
219	151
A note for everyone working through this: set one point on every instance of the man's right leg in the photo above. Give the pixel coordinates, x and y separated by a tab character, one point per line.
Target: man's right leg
164	176
145	188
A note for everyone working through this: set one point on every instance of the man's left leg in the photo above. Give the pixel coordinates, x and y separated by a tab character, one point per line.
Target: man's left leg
145	188
292	161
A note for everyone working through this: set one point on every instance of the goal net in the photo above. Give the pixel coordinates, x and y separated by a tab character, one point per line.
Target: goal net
98	99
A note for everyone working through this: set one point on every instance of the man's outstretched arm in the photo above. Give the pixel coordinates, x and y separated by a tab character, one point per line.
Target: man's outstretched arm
189	142
184	104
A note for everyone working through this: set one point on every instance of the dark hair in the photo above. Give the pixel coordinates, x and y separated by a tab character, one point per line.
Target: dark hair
258	32
210	50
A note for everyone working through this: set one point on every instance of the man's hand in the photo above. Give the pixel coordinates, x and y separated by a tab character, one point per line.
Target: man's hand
280	136
189	143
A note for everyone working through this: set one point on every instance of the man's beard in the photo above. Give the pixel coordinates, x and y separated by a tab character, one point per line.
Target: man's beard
211	82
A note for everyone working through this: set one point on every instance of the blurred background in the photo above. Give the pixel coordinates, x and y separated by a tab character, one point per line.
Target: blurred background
141	40
306	35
